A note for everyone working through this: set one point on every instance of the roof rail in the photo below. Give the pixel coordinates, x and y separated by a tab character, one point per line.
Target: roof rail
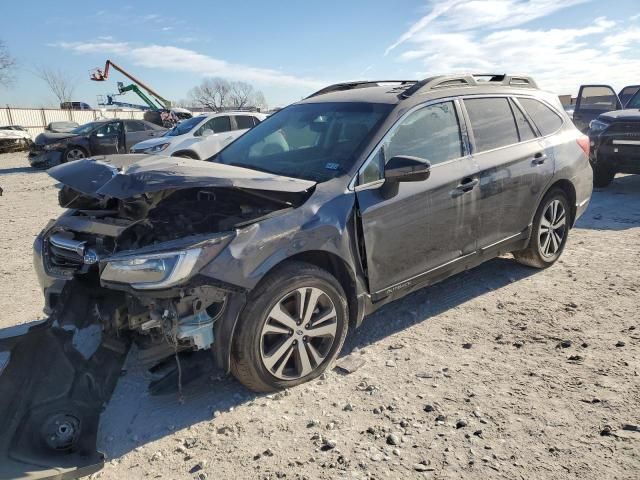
337	87
469	80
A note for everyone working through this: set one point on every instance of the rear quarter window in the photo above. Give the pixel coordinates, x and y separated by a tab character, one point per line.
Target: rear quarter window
544	117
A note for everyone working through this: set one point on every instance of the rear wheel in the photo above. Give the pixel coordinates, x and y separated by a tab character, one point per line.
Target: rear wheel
291	330
602	175
550	231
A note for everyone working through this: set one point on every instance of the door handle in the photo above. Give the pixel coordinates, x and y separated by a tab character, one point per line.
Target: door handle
467	184
539	158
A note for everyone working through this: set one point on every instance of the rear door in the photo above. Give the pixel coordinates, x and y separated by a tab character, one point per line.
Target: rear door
136	132
513	168
412	228
592	101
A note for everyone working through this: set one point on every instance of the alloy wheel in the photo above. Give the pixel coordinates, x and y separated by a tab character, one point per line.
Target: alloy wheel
298	333
553	228
74	154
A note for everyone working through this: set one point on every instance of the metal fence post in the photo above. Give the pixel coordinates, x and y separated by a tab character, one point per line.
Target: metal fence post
9	115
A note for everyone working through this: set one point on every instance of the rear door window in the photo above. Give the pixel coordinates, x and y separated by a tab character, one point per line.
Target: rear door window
524	127
492	123
544	117
134	126
244	121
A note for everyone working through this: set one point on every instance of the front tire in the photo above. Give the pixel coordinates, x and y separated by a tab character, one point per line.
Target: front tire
73	153
292	328
549	233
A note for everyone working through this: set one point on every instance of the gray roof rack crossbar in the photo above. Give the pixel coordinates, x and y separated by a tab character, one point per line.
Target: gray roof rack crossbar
461	80
361	84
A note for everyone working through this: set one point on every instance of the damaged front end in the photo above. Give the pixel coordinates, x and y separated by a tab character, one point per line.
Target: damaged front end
120	267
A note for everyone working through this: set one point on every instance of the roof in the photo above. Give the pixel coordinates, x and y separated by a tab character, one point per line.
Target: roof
395	91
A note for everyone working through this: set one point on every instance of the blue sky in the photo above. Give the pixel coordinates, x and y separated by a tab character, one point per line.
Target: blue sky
289	48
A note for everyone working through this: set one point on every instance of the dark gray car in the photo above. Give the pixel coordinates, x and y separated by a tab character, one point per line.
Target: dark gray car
102	137
268	253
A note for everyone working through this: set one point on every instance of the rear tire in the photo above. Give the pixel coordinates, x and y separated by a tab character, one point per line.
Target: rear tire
549	232
602	176
291	330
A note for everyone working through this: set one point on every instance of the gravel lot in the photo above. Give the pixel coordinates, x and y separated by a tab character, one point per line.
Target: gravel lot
501	372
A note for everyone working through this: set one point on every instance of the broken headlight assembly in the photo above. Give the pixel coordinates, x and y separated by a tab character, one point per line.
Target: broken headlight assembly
152	271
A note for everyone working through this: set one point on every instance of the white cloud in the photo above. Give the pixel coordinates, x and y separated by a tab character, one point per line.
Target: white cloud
188	61
456	15
486	37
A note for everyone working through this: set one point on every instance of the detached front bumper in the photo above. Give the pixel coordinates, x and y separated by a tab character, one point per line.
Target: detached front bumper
55	380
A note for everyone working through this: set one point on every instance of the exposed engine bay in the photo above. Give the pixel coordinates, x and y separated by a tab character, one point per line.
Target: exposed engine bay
97	229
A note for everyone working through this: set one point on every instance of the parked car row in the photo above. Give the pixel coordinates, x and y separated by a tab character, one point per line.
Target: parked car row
197	138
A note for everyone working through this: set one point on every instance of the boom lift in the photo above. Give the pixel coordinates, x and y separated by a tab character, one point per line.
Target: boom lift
99	75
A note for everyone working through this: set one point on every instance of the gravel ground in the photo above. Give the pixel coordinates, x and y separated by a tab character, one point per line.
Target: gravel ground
501	372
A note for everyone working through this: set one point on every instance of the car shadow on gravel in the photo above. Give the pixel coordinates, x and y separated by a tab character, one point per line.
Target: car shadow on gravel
134	417
616	207
8	171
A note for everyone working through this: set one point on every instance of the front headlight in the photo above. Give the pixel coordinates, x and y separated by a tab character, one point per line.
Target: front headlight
598	125
158	148
152	271
54	146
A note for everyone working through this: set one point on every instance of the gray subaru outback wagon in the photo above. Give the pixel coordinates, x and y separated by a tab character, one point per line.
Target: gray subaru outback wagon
267	253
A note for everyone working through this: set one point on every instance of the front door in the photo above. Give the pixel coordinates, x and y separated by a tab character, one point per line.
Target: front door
412	228
592	101
107	139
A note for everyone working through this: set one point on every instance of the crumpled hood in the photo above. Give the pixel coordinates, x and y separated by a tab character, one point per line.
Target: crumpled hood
49	137
629	115
152	142
126	176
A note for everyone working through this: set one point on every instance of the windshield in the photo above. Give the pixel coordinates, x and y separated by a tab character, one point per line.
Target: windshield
184	127
86	128
313	141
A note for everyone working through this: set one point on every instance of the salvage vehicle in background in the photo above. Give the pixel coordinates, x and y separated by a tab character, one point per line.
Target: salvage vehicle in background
61	127
613	125
202	136
14	138
271	250
102	137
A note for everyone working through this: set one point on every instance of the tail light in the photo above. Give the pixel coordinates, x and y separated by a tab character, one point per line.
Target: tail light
584	143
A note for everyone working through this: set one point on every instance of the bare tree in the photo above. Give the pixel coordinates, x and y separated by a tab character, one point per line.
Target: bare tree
7	64
61	85
212	93
241	94
220	94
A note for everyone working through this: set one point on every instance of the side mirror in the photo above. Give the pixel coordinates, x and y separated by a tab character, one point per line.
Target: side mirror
403	168
207	133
